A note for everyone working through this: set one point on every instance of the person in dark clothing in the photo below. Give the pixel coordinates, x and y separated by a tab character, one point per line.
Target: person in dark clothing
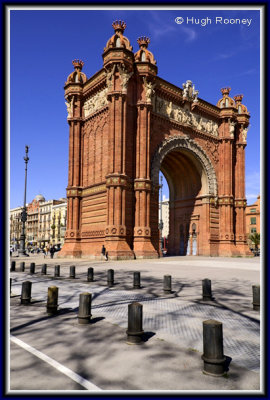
52	251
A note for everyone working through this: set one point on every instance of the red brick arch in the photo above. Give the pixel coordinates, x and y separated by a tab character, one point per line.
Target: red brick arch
178	143
125	124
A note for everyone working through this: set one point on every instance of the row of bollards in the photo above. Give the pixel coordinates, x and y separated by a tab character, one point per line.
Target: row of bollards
167	281
213	355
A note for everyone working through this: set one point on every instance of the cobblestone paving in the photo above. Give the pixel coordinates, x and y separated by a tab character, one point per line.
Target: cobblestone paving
171	319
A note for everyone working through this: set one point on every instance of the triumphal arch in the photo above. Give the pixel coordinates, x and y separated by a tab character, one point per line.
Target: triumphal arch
125	125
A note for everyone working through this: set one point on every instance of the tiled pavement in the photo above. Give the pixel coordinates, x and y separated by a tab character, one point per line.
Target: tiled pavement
172	319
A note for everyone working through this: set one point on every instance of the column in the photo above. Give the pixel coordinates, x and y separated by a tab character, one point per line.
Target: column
117	182
143	246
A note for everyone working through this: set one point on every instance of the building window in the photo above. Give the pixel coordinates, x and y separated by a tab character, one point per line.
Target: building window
253	221
253	230
253	210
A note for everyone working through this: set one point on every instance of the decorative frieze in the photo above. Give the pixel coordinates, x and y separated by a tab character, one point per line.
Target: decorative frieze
74	192
142	231
95	189
184	117
117	181
95	102
240	203
100	233
116	230
225	201
142	185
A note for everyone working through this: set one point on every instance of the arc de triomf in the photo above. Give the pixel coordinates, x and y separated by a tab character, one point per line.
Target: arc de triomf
125	125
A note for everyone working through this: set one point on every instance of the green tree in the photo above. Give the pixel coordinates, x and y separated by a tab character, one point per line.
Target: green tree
255	239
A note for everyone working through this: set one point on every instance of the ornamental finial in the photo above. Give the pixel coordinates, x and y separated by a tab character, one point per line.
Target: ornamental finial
225	91
119	26
143	41
78	64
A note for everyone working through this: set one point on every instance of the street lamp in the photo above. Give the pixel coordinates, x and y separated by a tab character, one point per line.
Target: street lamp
24	213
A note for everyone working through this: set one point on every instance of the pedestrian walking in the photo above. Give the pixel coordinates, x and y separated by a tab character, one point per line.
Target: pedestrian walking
52	251
104	253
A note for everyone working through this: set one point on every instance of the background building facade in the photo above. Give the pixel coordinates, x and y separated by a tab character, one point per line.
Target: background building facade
15	227
253	219
42	215
59	221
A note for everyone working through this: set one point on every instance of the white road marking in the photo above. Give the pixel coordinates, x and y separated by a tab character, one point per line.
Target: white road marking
68	372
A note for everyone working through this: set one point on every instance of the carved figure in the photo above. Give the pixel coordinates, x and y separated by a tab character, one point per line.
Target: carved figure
231	129
109	78
125	76
149	89
215	130
69	105
195	93
244	134
169	109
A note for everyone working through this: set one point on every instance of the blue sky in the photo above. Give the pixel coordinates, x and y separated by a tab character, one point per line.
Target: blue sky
43	44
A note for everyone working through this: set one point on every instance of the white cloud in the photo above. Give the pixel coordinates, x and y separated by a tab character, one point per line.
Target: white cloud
190	33
223	56
160	27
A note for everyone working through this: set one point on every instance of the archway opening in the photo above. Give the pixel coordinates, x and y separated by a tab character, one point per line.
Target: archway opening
184	183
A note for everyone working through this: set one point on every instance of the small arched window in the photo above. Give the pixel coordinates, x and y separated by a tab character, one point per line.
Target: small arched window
239	110
117	43
226	102
193	228
143	56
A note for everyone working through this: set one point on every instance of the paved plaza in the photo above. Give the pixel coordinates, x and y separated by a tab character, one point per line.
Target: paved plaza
55	353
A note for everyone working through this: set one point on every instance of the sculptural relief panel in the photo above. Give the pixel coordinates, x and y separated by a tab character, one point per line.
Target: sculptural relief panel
185	117
95	102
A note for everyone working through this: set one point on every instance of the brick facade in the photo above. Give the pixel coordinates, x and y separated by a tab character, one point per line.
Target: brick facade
125	125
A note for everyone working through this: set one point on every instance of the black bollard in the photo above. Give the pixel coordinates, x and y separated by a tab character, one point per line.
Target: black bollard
26	292
44	269
52	300
136	280
134	330
256	297
90	274
84	314
110	277
72	273
167	284
32	268
10	284
13	266
57	271
213	357
22	266
206	290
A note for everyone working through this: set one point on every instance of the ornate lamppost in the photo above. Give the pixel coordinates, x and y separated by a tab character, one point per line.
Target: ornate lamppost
160	220
24	213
